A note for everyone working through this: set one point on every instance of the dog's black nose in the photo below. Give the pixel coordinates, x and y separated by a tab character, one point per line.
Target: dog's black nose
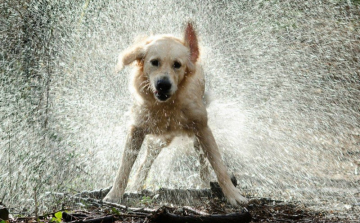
163	85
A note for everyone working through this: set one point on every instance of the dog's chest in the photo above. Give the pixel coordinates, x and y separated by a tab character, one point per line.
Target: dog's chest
164	121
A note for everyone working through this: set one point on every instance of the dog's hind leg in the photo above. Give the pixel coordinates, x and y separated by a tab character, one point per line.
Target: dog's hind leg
154	147
133	144
204	167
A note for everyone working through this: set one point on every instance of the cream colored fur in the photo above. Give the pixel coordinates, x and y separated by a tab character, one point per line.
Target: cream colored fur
183	112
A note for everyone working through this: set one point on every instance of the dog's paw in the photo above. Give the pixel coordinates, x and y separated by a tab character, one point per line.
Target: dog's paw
234	197
112	197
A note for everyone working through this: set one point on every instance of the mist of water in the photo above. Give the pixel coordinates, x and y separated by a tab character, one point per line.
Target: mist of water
284	77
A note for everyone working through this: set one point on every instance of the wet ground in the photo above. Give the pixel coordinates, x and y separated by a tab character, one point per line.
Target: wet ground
147	207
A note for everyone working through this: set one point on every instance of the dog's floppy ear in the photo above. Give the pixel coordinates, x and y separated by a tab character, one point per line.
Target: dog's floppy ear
136	52
191	42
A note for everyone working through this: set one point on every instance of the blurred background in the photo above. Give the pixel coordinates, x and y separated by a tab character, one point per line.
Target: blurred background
284	78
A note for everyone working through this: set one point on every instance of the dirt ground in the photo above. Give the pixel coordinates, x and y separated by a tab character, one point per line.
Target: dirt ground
138	208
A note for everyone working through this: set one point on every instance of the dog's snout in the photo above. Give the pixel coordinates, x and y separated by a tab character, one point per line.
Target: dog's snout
163	85
163	88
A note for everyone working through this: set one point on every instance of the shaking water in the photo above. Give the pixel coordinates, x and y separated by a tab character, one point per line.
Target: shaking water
284	78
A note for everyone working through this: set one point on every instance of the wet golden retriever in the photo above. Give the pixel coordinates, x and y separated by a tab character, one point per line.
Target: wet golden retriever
168	85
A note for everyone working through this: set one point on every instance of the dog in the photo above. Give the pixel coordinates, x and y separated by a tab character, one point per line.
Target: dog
168	87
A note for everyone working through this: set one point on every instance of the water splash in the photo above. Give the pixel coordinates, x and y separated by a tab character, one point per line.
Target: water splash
284	77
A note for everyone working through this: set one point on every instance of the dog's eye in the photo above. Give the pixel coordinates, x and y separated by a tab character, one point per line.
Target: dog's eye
155	63
176	65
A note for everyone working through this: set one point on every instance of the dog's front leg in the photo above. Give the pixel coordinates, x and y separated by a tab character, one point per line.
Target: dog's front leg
204	167
133	144
211	151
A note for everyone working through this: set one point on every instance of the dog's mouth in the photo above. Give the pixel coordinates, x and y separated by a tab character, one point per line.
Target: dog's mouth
161	96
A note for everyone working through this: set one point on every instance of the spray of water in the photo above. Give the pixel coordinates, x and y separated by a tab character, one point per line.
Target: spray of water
284	77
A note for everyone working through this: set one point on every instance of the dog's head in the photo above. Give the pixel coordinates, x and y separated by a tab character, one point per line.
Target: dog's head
165	61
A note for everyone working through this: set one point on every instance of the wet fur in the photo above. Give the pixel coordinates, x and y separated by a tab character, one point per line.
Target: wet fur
184	113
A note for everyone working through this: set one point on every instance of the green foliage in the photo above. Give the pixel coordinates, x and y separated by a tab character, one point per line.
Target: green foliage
146	200
57	217
115	211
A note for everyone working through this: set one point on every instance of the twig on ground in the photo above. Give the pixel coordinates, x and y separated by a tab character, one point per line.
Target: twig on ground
194	211
162	216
